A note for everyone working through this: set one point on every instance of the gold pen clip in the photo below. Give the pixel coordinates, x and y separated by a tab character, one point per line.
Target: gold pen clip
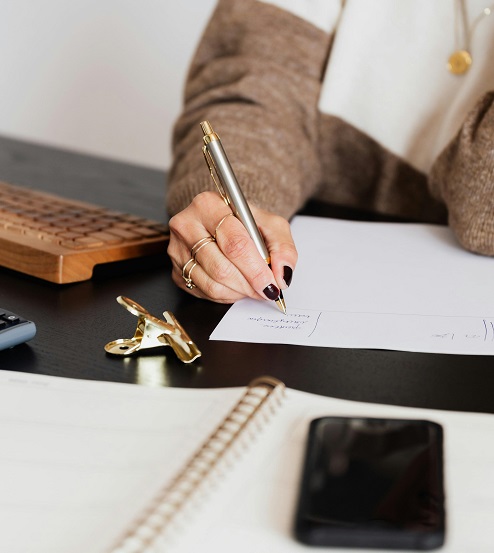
212	172
152	332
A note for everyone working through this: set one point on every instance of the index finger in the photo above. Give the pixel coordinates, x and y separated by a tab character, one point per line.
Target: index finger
234	241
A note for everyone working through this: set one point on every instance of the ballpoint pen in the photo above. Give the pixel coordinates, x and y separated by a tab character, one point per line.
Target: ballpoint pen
230	191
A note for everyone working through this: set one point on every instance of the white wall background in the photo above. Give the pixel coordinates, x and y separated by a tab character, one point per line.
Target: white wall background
102	77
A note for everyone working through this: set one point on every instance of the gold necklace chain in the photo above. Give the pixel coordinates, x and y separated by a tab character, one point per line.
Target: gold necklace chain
461	59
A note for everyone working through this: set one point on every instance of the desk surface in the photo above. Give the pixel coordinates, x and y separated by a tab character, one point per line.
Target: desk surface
75	321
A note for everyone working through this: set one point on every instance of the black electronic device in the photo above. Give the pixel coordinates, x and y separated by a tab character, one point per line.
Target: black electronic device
375	483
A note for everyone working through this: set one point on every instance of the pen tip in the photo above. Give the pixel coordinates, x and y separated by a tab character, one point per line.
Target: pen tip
280	302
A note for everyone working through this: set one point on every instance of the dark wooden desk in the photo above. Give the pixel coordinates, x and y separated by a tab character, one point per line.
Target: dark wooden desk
75	321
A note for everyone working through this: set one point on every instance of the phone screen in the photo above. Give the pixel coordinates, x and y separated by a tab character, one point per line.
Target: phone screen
372	483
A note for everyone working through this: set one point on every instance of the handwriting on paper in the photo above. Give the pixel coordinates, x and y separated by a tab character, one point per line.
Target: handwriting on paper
483	332
252	321
305	323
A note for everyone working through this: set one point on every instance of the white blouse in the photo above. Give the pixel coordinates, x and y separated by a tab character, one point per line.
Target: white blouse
387	73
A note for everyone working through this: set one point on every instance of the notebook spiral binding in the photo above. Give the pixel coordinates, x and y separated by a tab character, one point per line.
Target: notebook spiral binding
259	401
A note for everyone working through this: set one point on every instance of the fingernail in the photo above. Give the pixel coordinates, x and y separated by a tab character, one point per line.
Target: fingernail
271	292
287	274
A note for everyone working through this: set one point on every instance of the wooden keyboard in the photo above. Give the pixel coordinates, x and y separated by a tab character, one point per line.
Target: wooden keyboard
61	240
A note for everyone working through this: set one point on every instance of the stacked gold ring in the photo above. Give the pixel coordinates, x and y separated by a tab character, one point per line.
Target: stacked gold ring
203	242
188	279
200	244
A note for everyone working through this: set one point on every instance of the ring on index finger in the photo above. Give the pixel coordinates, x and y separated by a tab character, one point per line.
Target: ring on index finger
219	225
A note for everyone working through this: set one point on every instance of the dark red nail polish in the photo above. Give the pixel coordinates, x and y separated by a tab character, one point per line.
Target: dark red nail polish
271	292
287	275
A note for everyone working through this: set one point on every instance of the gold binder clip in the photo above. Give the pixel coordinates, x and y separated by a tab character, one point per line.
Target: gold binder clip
152	332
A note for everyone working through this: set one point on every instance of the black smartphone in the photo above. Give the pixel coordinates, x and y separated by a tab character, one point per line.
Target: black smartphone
373	483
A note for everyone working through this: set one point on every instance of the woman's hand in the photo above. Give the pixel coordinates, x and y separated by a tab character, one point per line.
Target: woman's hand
229	267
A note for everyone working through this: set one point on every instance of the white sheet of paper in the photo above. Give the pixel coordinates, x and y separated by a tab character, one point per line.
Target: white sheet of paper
394	286
80	460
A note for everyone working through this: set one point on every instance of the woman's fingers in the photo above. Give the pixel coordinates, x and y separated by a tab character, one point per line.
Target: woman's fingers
201	285
191	230
214	257
240	252
279	242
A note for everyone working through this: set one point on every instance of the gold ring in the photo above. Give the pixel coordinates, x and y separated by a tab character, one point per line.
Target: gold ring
188	280
200	244
219	224
190	273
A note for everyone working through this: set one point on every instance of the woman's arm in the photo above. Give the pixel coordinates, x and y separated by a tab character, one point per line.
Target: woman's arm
463	177
256	77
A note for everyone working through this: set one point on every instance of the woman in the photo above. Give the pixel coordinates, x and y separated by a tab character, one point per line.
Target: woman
355	104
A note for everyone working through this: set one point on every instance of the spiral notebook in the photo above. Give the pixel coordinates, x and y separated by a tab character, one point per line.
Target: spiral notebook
150	530
100	467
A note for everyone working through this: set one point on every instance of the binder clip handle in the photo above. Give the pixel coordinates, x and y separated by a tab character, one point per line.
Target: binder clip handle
152	332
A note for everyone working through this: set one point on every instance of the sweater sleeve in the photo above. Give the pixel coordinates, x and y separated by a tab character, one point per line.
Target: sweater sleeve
256	76
463	177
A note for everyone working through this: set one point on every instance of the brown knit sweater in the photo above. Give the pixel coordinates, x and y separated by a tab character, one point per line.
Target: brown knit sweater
256	76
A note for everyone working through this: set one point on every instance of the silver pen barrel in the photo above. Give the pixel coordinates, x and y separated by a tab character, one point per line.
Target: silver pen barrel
231	190
236	199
